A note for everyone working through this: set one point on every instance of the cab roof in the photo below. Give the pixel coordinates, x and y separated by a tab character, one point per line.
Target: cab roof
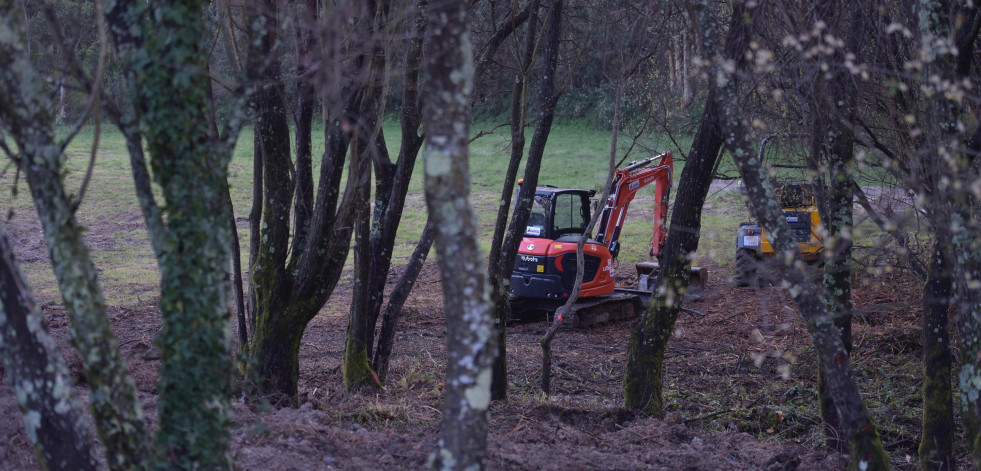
550	190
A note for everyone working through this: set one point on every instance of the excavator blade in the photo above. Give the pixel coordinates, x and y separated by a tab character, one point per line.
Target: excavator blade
648	271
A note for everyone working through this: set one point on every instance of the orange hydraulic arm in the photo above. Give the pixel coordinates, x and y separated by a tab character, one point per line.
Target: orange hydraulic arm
626	183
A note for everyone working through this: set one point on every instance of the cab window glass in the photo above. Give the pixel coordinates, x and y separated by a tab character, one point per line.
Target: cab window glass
569	214
538	219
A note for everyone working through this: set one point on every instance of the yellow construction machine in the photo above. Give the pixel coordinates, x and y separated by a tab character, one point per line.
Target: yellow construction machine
797	201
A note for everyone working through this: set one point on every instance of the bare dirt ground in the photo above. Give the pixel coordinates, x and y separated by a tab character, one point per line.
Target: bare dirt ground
740	387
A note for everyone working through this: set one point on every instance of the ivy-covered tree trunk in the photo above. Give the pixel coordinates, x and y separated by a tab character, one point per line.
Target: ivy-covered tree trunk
165	61
643	378
469	329
866	448
25	111
37	374
548	96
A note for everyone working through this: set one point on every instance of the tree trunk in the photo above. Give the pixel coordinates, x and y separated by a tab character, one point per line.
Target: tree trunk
500	265
686	94
356	367
113	396
255	226
674	64
393	311
292	280
306	100
190	163
857	428
391	183
284	307
967	282
548	97
643	379
835	104
274	352
270	280
237	281
470	339
945	160
937	440
36	372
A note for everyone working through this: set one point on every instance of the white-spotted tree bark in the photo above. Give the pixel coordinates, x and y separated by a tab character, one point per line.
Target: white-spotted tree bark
37	373
26	113
856	425
469	330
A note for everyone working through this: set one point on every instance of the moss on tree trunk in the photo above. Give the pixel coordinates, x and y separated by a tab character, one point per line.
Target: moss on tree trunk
644	374
25	110
937	438
36	372
273	355
355	366
644	377
166	63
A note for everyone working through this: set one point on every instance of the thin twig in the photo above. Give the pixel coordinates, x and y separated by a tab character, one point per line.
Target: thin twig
485	133
708	416
231	35
694	312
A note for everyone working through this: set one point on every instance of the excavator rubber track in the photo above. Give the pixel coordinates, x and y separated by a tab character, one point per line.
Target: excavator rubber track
586	312
622	304
603	309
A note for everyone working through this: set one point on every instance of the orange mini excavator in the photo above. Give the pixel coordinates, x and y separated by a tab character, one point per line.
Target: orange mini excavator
545	268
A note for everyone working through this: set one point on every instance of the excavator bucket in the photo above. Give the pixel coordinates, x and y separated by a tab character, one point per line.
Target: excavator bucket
647	272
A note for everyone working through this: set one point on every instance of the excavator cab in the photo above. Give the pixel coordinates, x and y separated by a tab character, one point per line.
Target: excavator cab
545	266
558	212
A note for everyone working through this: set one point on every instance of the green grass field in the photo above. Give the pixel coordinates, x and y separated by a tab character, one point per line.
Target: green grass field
576	156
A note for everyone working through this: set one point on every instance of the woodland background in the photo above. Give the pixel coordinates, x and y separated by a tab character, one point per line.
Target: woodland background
281	206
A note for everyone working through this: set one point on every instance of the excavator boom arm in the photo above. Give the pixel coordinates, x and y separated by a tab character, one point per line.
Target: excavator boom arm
626	183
